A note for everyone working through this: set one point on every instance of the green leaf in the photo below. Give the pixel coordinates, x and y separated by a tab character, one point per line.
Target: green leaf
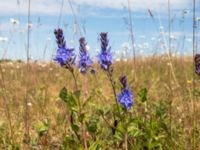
143	94
118	136
75	127
100	111
70	99
64	94
41	128
87	101
81	117
77	94
121	128
95	145
92	125
72	103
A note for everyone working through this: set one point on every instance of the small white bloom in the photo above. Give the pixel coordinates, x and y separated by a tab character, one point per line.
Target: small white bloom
173	37
21	30
117	59
141	51
17	66
173	55
57	74
161	28
142	37
189	40
10	63
97	50
48	39
3	39
30	25
87	47
125	59
126	45
29	104
14	21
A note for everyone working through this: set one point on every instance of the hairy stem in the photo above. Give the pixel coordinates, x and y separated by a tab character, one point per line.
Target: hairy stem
80	112
115	95
194	77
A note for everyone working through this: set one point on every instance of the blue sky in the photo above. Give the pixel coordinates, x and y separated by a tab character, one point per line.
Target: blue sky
93	17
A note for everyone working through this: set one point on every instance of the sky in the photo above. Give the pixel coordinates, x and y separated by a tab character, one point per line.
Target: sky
89	18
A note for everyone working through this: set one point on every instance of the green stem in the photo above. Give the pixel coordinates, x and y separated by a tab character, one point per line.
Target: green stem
80	112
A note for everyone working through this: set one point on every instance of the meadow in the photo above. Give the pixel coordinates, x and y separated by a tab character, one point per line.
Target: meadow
60	94
165	114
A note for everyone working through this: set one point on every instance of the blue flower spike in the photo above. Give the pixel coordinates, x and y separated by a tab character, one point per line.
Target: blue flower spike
64	56
125	98
84	62
105	58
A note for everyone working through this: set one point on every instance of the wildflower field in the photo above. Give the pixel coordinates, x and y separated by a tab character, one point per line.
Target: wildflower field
72	95
162	116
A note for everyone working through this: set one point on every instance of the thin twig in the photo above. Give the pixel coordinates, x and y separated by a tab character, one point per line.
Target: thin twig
26	115
131	30
169	52
7	109
194	77
61	11
75	19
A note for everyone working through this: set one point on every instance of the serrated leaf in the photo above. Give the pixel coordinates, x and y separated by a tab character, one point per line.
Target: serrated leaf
64	94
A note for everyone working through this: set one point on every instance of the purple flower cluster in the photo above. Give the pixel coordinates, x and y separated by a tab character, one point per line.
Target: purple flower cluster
84	62
64	56
125	98
197	64
105	58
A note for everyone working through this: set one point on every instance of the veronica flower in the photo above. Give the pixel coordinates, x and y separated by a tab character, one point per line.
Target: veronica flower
105	58
197	64
84	61
64	56
125	98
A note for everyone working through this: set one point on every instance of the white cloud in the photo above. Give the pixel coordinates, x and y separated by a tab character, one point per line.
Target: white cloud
49	7
135	4
52	7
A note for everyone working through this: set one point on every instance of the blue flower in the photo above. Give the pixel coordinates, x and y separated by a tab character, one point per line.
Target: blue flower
92	71
64	56
105	58
84	61
197	64
60	38
125	98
